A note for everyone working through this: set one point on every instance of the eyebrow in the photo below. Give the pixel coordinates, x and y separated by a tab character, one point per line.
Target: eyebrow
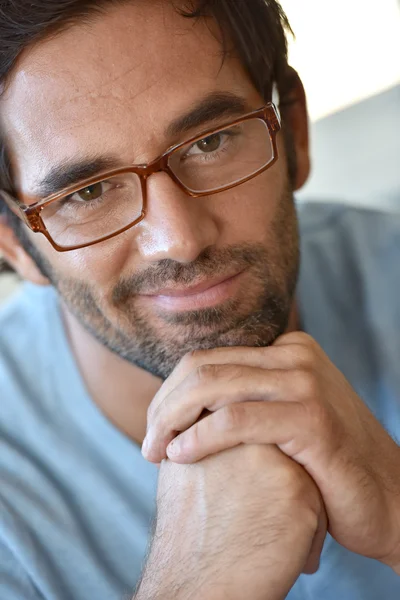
69	173
216	105
213	107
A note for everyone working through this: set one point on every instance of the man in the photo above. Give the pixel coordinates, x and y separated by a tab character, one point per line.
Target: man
140	139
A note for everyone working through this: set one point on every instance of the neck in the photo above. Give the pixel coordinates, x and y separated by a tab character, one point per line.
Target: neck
122	391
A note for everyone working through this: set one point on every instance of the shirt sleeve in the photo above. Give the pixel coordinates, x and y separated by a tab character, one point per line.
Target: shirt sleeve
15	583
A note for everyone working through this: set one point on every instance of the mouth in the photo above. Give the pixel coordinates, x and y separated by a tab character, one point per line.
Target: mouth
207	294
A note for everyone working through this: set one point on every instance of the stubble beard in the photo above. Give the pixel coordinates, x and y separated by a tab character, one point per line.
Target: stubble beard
158	344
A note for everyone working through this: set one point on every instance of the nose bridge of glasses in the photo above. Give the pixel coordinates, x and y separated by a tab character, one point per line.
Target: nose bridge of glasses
156	166
159	165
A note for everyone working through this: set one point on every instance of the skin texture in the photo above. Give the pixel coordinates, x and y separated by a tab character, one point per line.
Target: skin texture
92	99
112	87
290	395
213	539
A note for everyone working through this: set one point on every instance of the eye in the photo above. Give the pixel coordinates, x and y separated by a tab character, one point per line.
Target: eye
91	192
210	144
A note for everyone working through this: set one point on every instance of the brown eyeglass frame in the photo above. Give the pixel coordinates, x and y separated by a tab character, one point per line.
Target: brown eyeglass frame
30	213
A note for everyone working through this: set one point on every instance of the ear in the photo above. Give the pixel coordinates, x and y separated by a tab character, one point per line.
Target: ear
295	116
17	257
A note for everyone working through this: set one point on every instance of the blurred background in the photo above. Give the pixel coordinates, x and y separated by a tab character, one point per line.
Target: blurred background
348	55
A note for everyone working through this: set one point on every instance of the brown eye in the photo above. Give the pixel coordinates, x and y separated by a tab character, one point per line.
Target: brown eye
210	144
91	192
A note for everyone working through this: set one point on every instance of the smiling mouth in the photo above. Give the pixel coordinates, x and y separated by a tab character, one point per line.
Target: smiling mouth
207	294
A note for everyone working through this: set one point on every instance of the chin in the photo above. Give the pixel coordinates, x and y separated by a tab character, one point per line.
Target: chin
160	353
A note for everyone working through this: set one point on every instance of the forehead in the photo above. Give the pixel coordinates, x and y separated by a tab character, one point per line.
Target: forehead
111	86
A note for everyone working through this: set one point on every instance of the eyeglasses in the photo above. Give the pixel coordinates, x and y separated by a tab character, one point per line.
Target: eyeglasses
104	206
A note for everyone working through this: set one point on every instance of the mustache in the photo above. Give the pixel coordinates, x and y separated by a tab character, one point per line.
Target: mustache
167	273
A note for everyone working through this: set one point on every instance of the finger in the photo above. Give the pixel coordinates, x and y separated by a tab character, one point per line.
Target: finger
285	357
210	388
314	558
298	338
251	357
246	423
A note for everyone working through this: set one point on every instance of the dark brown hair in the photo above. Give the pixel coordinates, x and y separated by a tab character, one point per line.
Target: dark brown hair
254	29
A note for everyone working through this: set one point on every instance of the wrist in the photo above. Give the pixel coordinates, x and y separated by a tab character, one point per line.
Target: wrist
175	578
149	590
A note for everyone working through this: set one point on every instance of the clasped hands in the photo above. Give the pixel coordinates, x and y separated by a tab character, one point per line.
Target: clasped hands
289	395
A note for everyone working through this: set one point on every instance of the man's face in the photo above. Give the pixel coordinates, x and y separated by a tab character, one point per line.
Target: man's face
110	88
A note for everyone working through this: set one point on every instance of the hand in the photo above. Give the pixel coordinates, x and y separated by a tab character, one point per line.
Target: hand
313	415
241	524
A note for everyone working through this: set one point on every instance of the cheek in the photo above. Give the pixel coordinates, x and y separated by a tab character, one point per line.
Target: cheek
248	211
100	266
246	214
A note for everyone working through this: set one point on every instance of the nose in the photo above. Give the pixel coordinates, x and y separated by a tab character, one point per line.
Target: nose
177	226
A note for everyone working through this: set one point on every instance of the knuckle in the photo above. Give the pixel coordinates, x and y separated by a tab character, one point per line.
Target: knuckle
291	478
304	356
299	488
215	372
307	339
206	373
285	474
306	384
303	339
297	337
327	429
320	424
315	412
231	418
230	372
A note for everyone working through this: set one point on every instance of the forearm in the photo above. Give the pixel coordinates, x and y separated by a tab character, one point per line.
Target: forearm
201	594
181	580
214	540
149	590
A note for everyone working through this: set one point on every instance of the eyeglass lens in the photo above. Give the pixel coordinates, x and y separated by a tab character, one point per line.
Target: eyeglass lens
223	158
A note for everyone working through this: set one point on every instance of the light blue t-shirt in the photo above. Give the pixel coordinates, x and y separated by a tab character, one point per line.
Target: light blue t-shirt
76	496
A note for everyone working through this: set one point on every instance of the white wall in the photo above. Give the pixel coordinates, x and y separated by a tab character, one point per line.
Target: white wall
348	55
355	154
345	50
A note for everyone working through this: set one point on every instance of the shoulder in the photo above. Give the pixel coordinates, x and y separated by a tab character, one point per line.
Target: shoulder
26	322
22	324
316	218
348	294
368	239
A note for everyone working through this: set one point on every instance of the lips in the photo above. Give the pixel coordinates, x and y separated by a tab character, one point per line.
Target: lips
192	290
206	294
